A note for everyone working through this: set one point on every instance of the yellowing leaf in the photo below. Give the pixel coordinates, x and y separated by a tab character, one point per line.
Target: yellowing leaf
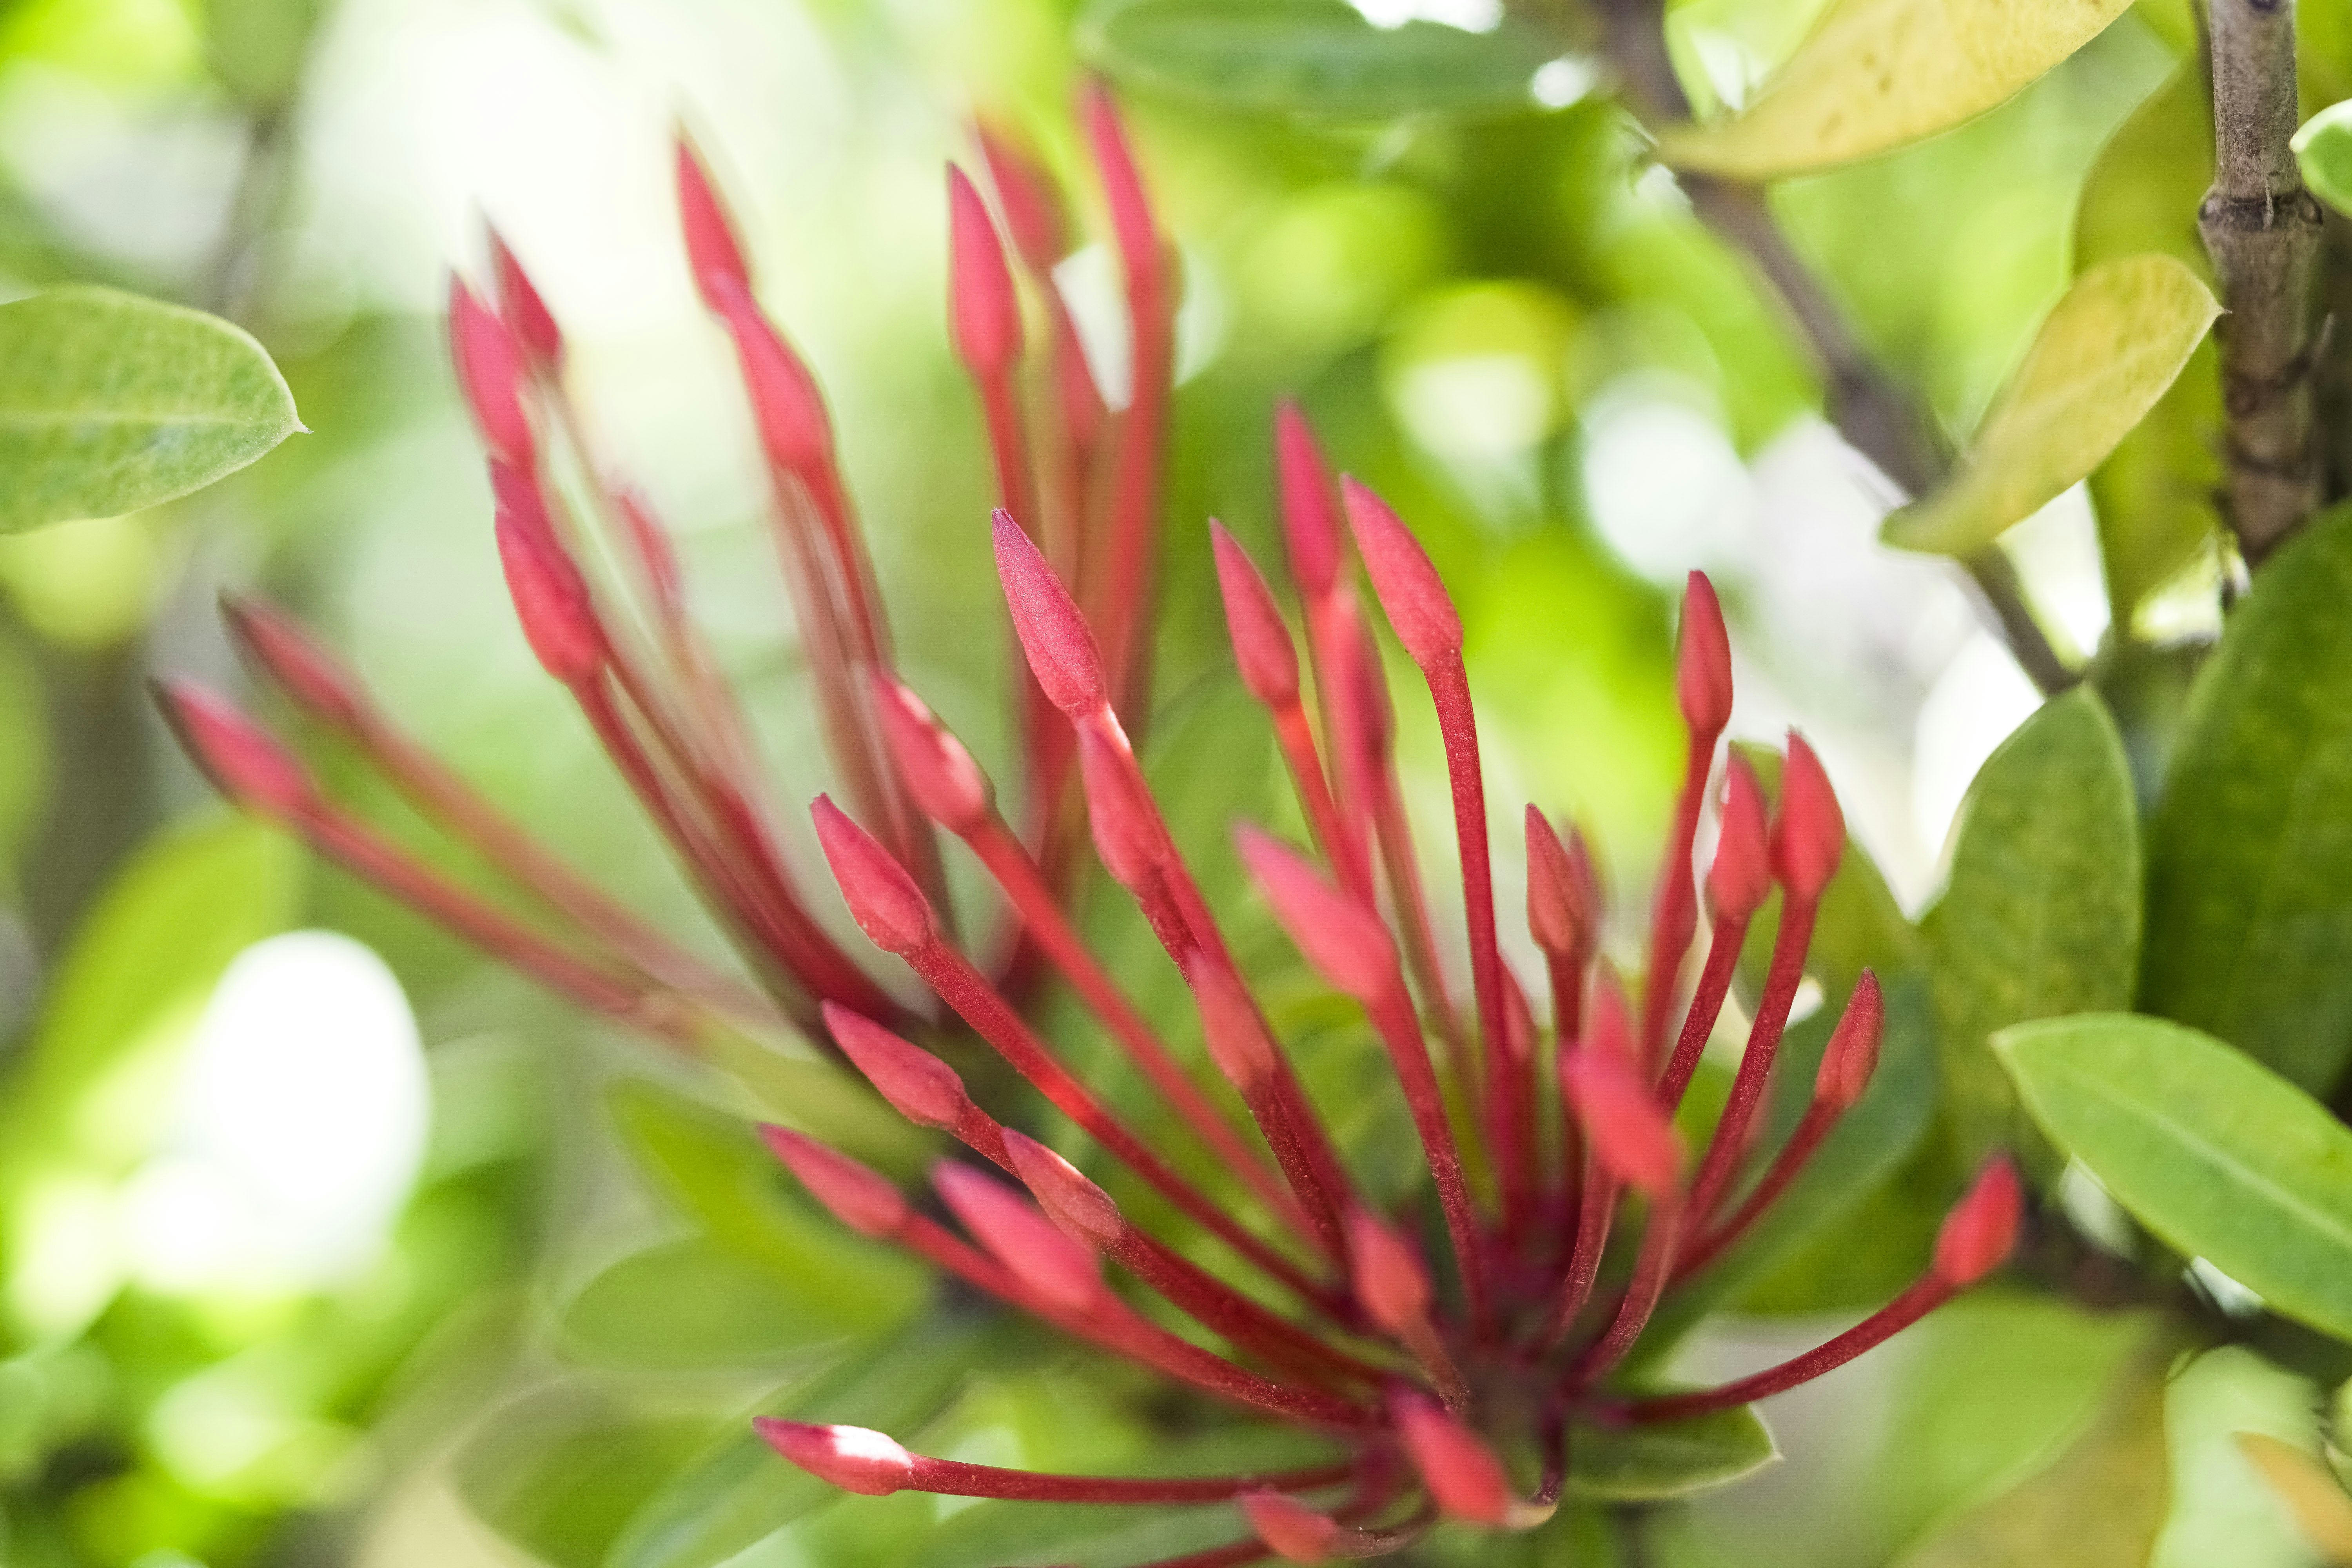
2103	357
2310	1491
1880	74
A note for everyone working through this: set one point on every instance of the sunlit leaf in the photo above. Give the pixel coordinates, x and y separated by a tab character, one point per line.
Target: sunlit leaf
2041	916
2323	148
1877	75
2215	1153
2101	358
695	1304
110	402
2321	1506
1669	1459
560	1476
2249	930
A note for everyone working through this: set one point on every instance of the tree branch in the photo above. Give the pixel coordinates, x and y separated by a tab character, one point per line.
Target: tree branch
2261	229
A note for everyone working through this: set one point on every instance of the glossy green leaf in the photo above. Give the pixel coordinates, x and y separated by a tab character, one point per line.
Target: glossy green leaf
1669	1460
2323	149
1877	75
687	1305
559	1476
2041	914
110	402
2215	1153
1313	57
2249	854
2101	358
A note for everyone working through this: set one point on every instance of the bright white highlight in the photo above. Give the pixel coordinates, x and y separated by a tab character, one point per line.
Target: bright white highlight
1470	15
1974	705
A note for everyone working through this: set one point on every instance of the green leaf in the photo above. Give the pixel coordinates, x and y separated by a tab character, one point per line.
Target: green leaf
1877	75
110	402
2041	916
695	1305
2103	357
1668	1460
560	1476
2212	1152
2249	929
1313	57
2323	148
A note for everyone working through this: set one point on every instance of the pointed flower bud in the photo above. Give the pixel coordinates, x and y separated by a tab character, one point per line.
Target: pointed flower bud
306	672
1083	1211
919	1086
1294	1531
1263	651
1608	1028
526	314
1464	1477
1702	661
1055	636
244	761
984	312
1235	1034
882	898
491	374
1981	1230
859	1197
1048	1262
712	253
1344	941
1741	876
932	764
1126	828
1130	210
1852	1055
1311	524
854	1459
1811	833
1618	1112
1409	589
549	602
1560	915
795	431
1032	211
1390	1282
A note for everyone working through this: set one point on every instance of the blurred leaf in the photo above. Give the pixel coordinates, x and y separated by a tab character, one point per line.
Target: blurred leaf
2041	916
2323	148
2248	933
560	1478
1313	57
257	46
695	1305
2103	357
2215	1153
1877	75
2310	1491
110	402
24	761
1668	1458
2099	1505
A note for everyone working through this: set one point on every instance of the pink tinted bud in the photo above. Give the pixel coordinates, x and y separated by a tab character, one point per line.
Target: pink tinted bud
1344	941
984	312
1263	651
1811	833
1130	210
1702	661
311	677
1389	1281
1295	1532
1032	211
1053	635
859	1197
1366	682
882	898
1084	1211
712	254
1236	1035
1126	829
651	544
527	315
1608	1028
549	603
491	374
1464	1477
919	1086
854	1459
1559	913
932	764
1981	1230
1310	523
244	761
1618	1112
1742	873
1852	1055
1061	1270
786	405
1409	589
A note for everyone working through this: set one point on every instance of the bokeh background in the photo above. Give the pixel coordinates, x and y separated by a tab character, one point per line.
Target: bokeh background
298	1197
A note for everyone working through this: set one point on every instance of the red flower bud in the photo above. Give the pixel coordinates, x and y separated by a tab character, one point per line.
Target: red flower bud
712	253
851	1458
550	601
1055	636
1344	941
1263	651
1852	1055
882	898
1048	1262
1130	210
1981	1230
922	1088
1608	1028
244	761
306	672
1560	915
859	1197
1463	1477
1390	1282
1311	524
1032	211
526	314
1811	833
1236	1035
786	404
1126	829
1296	1532
1084	1211
984	314
932	764
1618	1112
491	374
1742	873
1409	589
1702	661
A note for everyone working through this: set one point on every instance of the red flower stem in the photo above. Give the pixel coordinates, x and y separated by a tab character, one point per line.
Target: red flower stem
1344	851
1700	1250
1449	692
1222	1310
1731	1140
1008	441
950	1478
1653	1266
1674	911
1905	1310
1412	910
1596	1205
1566	978
1330	651
1427	1348
1706	1007
1399	1030
1135	493
968	992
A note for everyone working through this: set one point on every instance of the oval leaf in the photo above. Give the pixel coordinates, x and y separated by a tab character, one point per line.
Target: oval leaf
695	1305
1880	74
2211	1150
1670	1458
2323	148
2041	916
110	402
2249	934
1313	57
2103	357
